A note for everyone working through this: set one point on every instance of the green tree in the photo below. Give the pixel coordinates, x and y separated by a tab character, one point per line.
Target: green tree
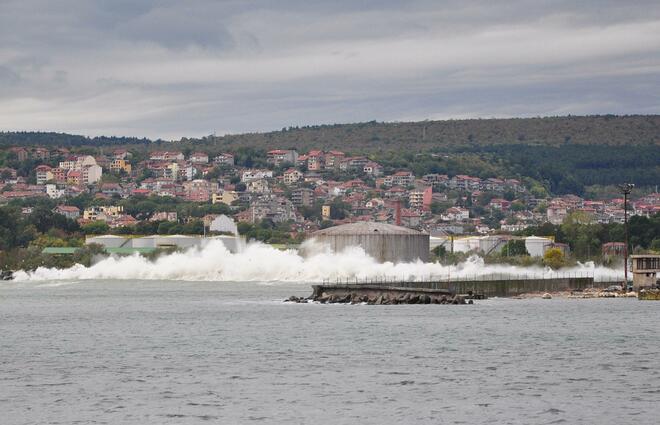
554	258
96	228
515	248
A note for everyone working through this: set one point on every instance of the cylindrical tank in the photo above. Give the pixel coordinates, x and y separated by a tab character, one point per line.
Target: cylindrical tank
384	242
536	245
108	241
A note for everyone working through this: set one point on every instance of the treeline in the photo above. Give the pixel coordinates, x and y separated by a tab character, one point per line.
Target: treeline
570	168
51	139
609	130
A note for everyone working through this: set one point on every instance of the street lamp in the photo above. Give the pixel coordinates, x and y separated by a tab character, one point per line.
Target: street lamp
625	189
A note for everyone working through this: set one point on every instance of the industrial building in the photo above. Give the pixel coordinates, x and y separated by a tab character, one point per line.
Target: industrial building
162	241
536	245
384	242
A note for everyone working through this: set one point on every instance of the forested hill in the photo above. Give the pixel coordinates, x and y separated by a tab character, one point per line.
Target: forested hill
34	138
604	130
608	130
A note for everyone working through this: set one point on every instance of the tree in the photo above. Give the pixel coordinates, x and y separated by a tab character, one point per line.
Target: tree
554	258
96	228
581	233
515	248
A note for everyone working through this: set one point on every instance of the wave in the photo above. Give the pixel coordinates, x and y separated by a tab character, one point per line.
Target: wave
257	262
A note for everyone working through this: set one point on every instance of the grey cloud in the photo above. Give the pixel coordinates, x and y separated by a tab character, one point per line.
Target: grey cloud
166	68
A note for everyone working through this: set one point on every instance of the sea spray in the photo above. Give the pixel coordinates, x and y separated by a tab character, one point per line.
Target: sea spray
257	262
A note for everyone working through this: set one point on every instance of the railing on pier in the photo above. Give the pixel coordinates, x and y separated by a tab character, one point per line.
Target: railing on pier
492	285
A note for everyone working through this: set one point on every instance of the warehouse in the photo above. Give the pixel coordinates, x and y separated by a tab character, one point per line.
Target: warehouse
384	242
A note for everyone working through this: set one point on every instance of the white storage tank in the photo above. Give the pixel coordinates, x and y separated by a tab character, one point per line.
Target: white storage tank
384	242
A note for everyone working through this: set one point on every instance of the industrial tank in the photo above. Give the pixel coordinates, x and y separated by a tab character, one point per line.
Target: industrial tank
384	242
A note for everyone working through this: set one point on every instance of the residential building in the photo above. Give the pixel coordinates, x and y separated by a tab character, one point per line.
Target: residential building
164	216
226	197
258	186
274	208
455	214
315	160
166	156
556	213
292	176
199	158
44	173
68	211
103	213
21	153
333	159
278	157
302	197
421	199
400	178
199	190
373	169
54	192
224	159
256	175
118	165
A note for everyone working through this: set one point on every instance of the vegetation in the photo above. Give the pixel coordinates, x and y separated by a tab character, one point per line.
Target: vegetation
552	155
554	258
515	248
268	232
586	237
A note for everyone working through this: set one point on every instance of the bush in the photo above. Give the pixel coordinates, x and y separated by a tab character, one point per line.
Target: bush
554	258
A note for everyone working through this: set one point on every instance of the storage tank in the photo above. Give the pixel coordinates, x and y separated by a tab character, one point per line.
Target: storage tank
384	242
108	241
536	245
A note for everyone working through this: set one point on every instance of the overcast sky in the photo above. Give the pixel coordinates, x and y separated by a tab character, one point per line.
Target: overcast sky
174	68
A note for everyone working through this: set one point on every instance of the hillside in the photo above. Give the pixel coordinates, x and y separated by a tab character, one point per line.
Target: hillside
605	130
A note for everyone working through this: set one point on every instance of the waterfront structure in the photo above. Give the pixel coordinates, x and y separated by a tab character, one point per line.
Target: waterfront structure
645	270
384	242
232	243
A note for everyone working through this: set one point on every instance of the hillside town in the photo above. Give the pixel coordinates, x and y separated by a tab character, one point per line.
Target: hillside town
306	190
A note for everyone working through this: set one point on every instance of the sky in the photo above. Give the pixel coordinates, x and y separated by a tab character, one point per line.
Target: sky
170	69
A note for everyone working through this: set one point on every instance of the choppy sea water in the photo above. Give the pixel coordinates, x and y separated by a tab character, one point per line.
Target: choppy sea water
148	352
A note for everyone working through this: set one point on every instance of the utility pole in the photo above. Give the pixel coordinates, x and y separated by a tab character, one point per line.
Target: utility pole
625	190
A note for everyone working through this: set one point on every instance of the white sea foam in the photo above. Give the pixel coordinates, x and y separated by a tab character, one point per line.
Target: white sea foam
262	263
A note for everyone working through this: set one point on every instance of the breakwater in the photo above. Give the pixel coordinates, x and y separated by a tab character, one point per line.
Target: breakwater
380	295
391	291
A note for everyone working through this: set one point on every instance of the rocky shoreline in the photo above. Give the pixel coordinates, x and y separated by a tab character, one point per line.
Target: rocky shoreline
384	299
589	293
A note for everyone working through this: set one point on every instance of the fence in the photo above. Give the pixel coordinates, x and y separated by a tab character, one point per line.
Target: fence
492	285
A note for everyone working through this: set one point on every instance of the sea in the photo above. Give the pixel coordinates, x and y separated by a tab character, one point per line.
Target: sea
174	352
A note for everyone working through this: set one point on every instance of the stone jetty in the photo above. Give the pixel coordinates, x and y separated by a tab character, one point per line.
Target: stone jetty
378	295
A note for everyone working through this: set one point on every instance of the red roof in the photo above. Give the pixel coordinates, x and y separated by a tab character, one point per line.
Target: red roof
68	208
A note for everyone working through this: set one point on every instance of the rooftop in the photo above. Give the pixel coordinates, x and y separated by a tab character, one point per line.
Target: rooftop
367	228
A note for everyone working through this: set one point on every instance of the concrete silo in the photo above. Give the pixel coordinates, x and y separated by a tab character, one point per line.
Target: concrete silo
384	242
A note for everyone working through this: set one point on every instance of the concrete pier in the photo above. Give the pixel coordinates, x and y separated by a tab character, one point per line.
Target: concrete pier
389	291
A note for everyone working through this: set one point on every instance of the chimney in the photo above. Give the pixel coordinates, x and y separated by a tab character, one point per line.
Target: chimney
398	212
